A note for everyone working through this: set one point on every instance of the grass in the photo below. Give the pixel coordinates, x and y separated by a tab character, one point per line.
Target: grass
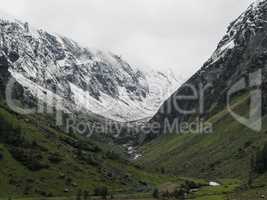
225	153
224	191
165	164
123	179
221	192
71	173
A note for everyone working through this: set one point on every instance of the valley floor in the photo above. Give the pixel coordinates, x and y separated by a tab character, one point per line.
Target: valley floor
229	189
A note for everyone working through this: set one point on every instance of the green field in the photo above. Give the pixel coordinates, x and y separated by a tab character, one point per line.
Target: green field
39	161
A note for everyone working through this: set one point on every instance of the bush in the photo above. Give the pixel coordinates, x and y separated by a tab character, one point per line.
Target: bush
1	156
112	155
85	195
30	159
261	160
79	195
90	158
156	194
162	170
191	185
54	158
101	191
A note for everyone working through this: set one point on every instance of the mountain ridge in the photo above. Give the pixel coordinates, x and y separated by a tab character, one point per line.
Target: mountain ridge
239	53
92	80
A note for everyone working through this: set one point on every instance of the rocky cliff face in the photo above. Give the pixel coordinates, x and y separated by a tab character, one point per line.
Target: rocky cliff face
242	51
84	79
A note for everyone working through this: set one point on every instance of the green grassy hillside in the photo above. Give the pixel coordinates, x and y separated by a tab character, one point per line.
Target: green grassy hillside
231	151
38	160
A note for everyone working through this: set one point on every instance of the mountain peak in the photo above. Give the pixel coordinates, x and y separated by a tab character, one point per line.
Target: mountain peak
241	30
90	80
242	50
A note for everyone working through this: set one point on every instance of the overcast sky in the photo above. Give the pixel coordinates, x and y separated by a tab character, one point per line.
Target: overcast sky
176	34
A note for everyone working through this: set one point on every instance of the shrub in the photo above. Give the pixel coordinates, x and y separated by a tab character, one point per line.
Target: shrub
79	195
85	195
1	156
101	191
54	158
191	185
261	160
162	170
30	159
112	155
156	193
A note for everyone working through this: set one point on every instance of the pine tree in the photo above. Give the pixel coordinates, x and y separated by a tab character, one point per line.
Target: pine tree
156	194
251	171
79	195
85	195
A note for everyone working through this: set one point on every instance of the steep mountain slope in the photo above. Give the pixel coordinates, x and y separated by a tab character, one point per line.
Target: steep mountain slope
231	149
38	160
224	153
241	52
83	79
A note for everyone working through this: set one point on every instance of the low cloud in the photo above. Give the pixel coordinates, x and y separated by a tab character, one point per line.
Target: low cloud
174	34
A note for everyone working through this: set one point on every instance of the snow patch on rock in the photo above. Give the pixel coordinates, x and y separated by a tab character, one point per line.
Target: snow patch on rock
92	80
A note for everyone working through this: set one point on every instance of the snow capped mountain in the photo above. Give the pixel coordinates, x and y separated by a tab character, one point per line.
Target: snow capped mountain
240	30
82	79
240	53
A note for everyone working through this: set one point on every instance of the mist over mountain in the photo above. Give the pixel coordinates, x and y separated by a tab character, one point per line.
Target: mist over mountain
96	81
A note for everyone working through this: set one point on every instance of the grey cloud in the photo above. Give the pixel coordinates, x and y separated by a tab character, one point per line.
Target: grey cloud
177	34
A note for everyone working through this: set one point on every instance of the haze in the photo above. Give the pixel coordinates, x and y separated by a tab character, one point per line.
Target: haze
161	34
